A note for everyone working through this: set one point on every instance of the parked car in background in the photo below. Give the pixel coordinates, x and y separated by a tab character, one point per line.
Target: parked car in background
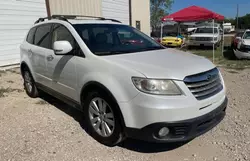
172	39
235	40
241	45
143	91
203	36
228	27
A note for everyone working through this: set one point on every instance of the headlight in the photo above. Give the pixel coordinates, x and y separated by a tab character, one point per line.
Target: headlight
192	38
156	86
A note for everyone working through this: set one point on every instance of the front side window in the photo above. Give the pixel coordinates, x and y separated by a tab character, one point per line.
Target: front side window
30	37
61	33
246	35
109	39
42	36
206	30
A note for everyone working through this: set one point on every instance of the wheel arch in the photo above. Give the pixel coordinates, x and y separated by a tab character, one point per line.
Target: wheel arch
23	65
93	85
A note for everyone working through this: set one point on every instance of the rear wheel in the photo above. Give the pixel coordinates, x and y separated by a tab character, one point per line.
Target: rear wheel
102	118
29	84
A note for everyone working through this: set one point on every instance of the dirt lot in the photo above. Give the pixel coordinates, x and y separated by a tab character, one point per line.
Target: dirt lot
47	129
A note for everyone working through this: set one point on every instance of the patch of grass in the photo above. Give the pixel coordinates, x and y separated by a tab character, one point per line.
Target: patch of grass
233	72
227	59
3	91
10	81
15	70
41	102
2	72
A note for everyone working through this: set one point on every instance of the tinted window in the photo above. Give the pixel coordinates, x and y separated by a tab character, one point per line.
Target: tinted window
109	39
30	37
206	30
42	36
61	33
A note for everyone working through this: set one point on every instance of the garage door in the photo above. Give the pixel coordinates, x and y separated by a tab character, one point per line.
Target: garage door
116	9
16	17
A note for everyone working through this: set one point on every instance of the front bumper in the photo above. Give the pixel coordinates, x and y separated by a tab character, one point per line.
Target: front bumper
170	43
242	55
201	43
182	130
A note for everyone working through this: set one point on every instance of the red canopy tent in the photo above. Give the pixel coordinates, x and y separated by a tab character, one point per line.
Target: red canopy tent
191	14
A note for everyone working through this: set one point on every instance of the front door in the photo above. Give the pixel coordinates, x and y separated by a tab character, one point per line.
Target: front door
61	68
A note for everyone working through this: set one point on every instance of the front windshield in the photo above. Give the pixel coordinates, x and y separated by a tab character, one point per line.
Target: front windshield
247	35
109	39
206	30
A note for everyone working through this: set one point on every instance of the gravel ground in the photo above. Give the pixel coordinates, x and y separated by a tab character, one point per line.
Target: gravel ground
47	129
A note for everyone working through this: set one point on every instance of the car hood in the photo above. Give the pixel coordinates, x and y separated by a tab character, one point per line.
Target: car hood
165	63
204	35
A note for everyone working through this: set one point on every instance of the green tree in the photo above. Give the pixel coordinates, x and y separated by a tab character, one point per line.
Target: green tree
158	9
244	22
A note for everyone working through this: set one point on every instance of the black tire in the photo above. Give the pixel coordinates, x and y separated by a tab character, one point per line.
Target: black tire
33	92
117	136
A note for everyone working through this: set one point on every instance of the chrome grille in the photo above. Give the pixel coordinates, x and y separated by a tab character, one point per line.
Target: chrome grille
204	85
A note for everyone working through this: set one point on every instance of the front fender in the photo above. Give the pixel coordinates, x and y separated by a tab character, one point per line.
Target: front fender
122	89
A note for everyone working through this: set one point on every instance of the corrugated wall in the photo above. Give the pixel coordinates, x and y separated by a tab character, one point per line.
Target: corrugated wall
16	17
116	9
80	7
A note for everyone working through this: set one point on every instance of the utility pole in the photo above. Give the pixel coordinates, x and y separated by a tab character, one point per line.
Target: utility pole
237	17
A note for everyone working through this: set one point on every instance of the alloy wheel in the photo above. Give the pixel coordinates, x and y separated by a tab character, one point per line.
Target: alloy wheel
101	117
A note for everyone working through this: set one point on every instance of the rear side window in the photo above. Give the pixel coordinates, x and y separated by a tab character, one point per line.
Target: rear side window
42	36
30	37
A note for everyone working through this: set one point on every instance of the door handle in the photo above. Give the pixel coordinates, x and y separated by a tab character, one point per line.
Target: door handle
50	58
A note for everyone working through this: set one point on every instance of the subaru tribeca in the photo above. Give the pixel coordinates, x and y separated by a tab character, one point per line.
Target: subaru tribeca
125	83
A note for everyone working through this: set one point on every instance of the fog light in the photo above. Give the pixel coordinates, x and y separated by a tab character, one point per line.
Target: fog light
163	132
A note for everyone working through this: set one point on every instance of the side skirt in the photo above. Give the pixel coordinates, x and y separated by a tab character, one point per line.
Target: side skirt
60	96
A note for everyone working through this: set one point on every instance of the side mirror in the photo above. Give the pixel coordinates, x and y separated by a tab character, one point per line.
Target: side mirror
62	47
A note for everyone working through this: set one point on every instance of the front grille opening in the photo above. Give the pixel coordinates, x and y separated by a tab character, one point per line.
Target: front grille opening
204	85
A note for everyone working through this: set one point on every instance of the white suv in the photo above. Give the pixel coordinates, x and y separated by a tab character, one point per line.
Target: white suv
126	84
205	36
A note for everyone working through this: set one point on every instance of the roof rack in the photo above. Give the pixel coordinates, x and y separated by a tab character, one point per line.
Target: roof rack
52	17
74	17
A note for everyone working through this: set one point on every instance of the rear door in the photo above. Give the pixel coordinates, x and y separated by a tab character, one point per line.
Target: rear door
40	52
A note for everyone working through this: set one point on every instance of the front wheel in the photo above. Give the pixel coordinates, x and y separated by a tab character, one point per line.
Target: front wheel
102	119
